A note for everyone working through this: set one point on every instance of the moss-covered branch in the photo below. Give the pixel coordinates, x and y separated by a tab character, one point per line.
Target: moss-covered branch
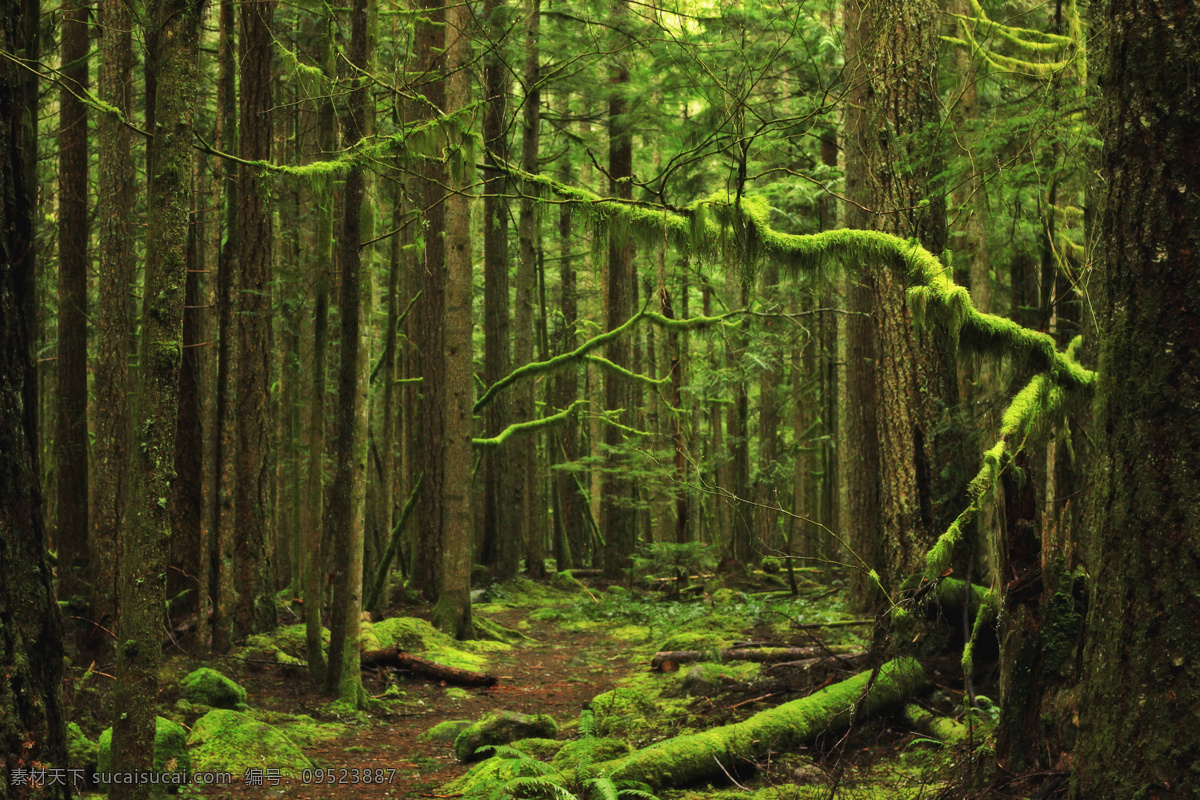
626	373
691	757
528	427
720	228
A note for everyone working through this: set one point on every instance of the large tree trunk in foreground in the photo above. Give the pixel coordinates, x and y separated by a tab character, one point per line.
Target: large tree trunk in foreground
1141	686
32	719
173	45
690	758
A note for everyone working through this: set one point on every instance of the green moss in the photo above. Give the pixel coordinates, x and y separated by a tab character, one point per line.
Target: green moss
170	749
230	741
81	751
208	687
300	728
421	638
446	731
694	640
566	582
502	727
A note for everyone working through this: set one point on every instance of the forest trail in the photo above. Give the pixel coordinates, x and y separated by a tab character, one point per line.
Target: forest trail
554	672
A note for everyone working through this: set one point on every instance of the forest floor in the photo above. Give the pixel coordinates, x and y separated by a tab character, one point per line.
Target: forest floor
565	648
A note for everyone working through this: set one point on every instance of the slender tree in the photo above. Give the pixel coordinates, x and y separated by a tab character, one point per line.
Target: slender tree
344	520
115	313
253	484
452	613
71	432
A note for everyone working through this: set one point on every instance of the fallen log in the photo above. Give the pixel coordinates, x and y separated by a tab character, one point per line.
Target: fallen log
941	728
397	658
854	660
670	660
692	757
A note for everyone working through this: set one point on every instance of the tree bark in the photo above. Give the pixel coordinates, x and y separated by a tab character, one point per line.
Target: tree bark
115	315
71	431
33	721
252	486
173	50
344	520
1141	684
452	613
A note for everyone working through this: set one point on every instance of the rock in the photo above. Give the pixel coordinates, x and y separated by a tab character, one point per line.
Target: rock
210	688
230	741
502	727
171	758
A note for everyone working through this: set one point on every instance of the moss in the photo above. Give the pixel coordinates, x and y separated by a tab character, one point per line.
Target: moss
420	637
566	582
170	749
694	640
502	727
300	728
482	779
691	757
941	728
446	731
592	750
230	741
81	751
209	687
622	711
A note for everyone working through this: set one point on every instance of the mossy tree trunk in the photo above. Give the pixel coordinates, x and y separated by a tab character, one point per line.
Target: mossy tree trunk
618	521
1141	683
173	50
499	548
32	717
452	613
345	518
220	570
253	507
429	340
901	384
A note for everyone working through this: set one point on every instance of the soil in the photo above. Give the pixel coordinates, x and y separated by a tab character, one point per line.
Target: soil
555	673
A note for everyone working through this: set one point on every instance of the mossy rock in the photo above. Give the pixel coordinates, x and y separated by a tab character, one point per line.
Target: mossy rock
171	755
420	637
494	631
541	749
208	687
446	731
81	751
590	750
230	741
617	590
566	582
772	565
502	727
303	730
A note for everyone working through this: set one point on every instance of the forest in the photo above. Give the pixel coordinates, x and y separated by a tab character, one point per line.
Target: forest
677	400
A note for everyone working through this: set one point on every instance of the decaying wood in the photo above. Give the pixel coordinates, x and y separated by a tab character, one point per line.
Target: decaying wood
395	657
852	660
695	756
670	660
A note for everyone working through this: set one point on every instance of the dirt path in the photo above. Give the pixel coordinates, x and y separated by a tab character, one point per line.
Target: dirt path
554	674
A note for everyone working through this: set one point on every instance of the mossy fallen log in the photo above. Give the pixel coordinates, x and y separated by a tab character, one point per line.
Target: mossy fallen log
398	659
692	757
670	660
941	728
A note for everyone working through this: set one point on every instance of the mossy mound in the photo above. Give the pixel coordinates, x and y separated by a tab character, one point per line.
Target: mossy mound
494	631
230	741
590	750
703	641
288	644
446	731
502	727
171	757
703	679
81	751
525	592
483	779
541	749
622	710
421	638
302	729
208	687
566	582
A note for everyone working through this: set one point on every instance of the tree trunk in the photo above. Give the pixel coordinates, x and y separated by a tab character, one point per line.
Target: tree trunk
71	432
115	315
618	521
221	522
452	613
500	546
252	486
429	340
344	520
173	50
33	732
1138	736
